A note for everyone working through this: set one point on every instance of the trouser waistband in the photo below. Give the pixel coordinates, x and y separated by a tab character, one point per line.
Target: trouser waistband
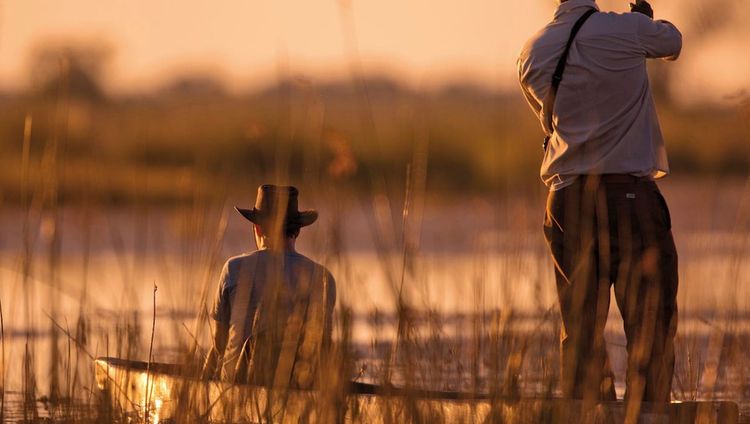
617	178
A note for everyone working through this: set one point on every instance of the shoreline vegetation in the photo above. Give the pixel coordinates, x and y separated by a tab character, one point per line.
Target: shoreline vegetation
193	136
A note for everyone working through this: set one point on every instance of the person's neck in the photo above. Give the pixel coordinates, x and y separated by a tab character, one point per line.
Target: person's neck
286	245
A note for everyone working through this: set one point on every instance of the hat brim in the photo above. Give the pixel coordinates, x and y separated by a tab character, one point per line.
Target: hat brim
302	218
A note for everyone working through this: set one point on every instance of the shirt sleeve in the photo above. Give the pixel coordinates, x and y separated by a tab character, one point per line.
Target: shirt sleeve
525	89
658	39
220	308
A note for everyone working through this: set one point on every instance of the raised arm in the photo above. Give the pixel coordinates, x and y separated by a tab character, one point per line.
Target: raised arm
658	38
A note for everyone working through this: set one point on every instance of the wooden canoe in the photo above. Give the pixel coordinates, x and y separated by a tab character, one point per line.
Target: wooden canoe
135	388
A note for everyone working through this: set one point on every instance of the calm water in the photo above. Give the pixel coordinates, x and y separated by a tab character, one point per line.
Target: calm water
102	266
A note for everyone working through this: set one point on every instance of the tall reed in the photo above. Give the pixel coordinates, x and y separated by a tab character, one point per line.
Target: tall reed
2	364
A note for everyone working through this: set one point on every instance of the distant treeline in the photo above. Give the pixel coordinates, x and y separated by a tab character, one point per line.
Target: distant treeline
194	135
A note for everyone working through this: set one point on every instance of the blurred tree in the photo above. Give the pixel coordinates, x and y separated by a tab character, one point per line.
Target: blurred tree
76	67
194	85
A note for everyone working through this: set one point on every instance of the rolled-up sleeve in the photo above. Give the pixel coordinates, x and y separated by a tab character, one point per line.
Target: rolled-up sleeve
658	39
220	308
523	76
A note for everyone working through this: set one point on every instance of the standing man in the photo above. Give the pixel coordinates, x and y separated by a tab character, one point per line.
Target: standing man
273	307
606	222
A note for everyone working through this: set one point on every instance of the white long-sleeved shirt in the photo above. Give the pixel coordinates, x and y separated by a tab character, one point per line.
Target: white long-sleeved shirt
604	117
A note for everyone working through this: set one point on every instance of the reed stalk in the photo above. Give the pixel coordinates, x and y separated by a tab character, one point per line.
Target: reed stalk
150	359
30	413
2	364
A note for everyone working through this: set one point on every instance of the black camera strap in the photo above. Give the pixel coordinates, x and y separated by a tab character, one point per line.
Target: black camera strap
549	100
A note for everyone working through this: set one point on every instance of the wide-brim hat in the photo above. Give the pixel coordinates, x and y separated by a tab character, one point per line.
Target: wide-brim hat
278	203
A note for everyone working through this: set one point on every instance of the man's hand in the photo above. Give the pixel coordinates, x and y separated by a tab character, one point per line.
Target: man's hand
642	7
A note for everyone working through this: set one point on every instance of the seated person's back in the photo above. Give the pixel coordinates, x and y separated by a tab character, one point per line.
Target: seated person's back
273	307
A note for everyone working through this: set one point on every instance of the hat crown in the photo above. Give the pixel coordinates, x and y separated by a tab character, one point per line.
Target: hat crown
272	199
278	204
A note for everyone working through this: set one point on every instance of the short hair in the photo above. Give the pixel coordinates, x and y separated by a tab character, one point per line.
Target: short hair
287	230
291	231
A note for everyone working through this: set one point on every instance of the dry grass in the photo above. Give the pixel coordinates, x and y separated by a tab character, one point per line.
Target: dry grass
415	344
118	163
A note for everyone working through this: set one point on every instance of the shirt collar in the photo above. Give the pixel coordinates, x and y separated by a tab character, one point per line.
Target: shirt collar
573	5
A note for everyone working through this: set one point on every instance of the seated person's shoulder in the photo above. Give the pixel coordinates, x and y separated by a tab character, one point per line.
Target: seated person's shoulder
235	263
329	277
318	268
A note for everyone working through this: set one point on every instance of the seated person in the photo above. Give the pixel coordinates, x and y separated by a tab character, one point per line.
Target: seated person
273	308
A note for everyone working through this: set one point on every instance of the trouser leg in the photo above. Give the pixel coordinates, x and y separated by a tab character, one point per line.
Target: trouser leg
645	291
571	231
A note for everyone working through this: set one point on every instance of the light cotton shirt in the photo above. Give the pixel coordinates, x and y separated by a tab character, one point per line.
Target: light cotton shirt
246	283
604	117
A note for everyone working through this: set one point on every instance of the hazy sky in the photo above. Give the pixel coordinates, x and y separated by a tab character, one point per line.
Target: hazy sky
249	42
